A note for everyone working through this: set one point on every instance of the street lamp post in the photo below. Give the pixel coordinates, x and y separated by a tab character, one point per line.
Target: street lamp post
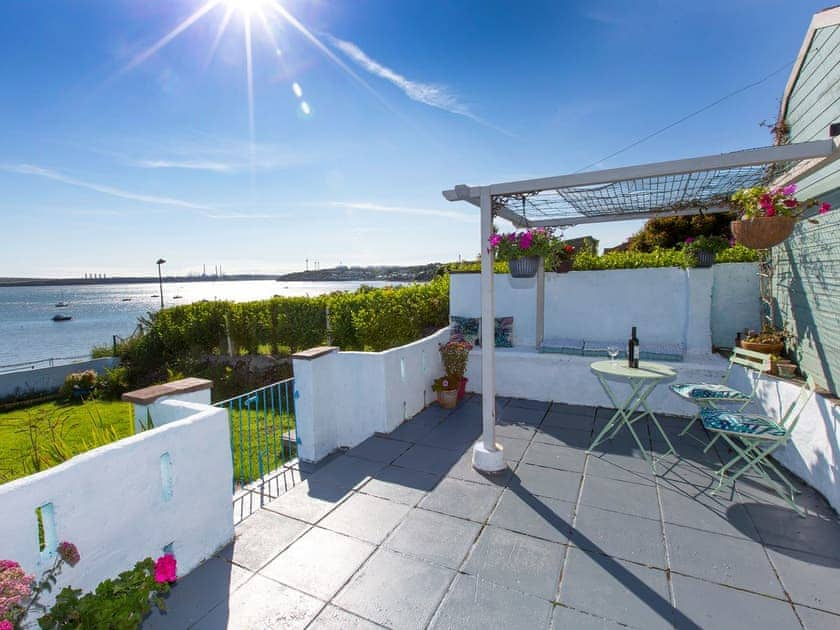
160	261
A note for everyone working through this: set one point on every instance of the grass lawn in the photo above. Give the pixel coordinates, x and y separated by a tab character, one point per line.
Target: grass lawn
41	436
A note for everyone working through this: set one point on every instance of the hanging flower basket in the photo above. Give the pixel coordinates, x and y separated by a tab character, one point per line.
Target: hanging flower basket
762	232
525	267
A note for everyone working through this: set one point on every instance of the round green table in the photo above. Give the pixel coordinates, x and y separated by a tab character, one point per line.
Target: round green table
642	381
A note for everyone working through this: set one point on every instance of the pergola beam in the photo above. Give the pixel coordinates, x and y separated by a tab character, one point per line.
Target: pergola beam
605	218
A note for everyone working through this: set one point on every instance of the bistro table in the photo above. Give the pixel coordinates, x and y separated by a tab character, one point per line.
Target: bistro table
642	380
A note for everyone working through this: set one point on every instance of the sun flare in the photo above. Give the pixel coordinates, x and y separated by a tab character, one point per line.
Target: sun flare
247	7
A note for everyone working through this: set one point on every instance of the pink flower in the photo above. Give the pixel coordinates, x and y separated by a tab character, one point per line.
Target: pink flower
444	383
770	212
790	203
766	202
511	237
789	190
732	242
525	240
67	551
8	564
15	587
825	207
6	625
495	240
689	240
165	569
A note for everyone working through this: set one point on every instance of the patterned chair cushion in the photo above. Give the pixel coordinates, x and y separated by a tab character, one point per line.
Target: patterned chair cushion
562	345
705	391
741	423
503	332
465	329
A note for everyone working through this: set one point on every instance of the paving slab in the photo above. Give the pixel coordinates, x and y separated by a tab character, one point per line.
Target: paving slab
722	559
562	436
260	537
435	537
480	604
817	619
308	501
549	482
264	604
402	485
517	561
428	459
464	469
542	517
781	526
396	590
621	496
565	618
621	591
464	499
552	456
689	506
333	618
365	517
346	471
620	535
708	605
810	580
319	562
379	449
568	420
630	468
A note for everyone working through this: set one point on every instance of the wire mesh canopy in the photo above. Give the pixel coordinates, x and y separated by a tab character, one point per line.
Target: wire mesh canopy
690	186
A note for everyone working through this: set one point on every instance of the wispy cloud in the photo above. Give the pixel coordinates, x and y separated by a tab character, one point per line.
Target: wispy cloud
37	171
197	165
249	216
423	212
432	94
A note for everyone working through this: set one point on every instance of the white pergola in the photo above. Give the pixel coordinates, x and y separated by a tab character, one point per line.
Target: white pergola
679	187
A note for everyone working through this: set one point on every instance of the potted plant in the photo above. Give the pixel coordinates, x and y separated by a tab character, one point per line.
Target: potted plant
768	341
561	257
767	216
523	250
447	391
702	250
454	355
786	368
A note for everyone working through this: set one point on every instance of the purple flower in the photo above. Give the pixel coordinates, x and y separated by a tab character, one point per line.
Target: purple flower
789	190
689	240
732	242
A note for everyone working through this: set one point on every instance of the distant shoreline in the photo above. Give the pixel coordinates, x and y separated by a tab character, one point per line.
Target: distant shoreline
63	282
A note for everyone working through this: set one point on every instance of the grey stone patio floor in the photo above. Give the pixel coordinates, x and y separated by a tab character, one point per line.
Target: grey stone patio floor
402	532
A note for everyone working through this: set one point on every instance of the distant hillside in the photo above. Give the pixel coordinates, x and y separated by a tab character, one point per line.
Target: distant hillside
418	273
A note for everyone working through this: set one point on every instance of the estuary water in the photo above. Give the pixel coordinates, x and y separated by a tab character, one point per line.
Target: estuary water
28	334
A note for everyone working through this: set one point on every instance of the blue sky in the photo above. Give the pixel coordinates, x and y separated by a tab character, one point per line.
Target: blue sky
113	154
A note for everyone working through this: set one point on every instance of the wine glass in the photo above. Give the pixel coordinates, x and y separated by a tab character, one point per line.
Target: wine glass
613	352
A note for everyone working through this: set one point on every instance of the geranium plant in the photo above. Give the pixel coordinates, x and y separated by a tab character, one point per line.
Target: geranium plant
455	355
443	384
534	242
761	201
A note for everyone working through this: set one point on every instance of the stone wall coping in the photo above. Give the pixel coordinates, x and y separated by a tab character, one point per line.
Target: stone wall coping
148	395
314	353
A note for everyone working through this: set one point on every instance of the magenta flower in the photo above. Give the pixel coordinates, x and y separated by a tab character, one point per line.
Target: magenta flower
689	240
732	242
789	190
825	207
67	551
15	587
165	569
511	237
5	624
766	202
495	240
790	203
770	212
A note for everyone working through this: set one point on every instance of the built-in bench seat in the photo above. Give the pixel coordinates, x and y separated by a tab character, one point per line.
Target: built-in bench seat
596	348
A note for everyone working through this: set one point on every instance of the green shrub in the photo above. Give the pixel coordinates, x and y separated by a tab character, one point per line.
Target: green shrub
113	382
77	383
738	254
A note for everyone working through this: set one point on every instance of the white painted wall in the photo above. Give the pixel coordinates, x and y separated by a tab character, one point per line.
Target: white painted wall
813	452
526	373
45	380
161	413
345	397
111	501
667	304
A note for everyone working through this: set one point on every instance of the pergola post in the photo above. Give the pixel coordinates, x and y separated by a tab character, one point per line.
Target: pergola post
487	455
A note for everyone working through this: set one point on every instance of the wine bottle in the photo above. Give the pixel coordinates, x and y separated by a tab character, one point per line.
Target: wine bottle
630	349
636	352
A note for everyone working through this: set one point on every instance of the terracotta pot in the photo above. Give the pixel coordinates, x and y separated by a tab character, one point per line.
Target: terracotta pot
564	266
786	369
525	267
448	398
762	232
462	388
766	348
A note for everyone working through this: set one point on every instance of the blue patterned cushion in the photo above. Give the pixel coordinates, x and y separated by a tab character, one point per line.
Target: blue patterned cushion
465	329
745	424
503	331
562	345
704	391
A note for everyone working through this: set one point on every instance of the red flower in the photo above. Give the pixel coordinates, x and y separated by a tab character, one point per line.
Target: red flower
790	203
165	569
569	249
770	212
825	207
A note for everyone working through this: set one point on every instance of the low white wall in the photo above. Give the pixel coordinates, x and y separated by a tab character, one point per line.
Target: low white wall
342	398
161	413
44	380
526	373
123	502
666	304
813	453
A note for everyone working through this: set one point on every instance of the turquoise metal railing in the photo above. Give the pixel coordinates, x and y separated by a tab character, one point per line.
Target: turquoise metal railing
262	430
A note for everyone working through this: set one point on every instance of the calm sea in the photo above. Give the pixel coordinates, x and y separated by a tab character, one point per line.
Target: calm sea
28	334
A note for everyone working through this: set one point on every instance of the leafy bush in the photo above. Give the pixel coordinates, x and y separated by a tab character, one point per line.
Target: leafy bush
78	383
113	383
738	254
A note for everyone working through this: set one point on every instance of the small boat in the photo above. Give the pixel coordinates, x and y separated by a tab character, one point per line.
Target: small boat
177	297
126	299
58	317
155	295
61	304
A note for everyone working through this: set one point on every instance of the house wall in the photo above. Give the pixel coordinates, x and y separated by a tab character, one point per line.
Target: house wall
342	398
696	307
806	265
49	379
128	500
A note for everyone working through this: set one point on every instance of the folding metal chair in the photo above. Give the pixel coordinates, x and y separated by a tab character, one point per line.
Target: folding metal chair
711	395
754	438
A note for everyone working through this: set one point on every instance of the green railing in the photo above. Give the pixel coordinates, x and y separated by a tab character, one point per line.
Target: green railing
262	430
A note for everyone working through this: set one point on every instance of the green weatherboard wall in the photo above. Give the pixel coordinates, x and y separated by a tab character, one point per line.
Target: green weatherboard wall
807	265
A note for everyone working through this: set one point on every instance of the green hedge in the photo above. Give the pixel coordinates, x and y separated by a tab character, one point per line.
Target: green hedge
586	261
368	319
